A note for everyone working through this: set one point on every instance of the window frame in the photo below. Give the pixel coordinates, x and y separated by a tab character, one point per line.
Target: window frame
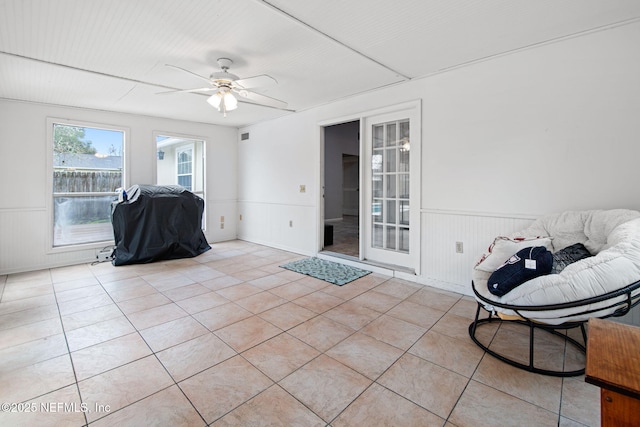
50	205
181	149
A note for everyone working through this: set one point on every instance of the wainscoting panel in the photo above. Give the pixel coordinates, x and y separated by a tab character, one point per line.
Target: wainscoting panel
24	243
287	227
443	231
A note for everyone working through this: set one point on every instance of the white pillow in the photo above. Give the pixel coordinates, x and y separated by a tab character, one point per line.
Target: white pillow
503	248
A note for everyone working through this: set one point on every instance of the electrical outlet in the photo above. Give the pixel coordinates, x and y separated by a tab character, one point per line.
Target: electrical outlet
290	223
222	219
459	248
222	225
303	188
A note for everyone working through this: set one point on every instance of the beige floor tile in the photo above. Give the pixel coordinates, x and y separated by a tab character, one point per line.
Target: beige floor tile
417	314
143	303
166	284
580	401
29	353
312	282
455	326
349	290
221	316
185	292
288	315
248	275
398	288
75	284
247	333
137	291
73	272
548	354
80	293
291	290
431	386
202	302
98	332
194	356
325	386
168	407
434	299
29	332
319	301
377	301
28	316
280	356
59	408
107	355
239	291
87	303
35	380
171	333
122	386
394	331
263	301
479	402
35	277
12	293
130	282
221	282
272	407
365	354
321	333
203	273
268	282
541	390
461	356
465	307
155	316
89	317
26	303
229	384
352	315
378	406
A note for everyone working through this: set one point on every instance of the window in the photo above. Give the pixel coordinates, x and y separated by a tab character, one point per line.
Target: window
87	170
390	186
185	167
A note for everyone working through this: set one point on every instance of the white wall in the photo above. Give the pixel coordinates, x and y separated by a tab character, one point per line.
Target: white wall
24	196
541	130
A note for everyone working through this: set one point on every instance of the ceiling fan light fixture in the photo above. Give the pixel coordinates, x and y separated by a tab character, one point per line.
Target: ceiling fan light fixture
215	100
224	101
230	101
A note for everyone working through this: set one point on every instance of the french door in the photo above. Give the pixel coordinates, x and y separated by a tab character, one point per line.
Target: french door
391	208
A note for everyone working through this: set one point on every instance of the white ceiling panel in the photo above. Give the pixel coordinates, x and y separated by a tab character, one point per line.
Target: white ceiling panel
111	54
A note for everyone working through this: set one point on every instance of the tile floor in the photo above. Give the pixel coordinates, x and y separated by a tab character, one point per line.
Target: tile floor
345	236
230	338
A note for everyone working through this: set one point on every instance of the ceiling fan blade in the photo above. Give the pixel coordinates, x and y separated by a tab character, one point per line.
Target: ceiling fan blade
258	98
206	79
200	89
256	81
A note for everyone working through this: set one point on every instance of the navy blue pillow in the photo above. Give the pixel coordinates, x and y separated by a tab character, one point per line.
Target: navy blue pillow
525	265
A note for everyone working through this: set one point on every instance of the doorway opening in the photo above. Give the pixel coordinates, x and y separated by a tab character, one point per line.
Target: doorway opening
342	189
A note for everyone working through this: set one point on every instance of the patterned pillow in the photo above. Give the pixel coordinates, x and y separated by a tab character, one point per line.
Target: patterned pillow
503	248
567	256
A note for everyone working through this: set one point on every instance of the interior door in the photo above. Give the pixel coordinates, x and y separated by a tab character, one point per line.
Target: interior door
391	226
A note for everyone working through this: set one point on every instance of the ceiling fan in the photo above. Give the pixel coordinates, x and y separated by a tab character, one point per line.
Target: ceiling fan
224	84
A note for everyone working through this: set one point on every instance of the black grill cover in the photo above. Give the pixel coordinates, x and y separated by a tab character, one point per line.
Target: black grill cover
157	222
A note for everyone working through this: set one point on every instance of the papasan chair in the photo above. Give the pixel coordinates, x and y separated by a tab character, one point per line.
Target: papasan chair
589	264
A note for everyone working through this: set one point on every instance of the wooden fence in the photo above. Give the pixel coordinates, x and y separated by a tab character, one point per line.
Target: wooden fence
65	181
